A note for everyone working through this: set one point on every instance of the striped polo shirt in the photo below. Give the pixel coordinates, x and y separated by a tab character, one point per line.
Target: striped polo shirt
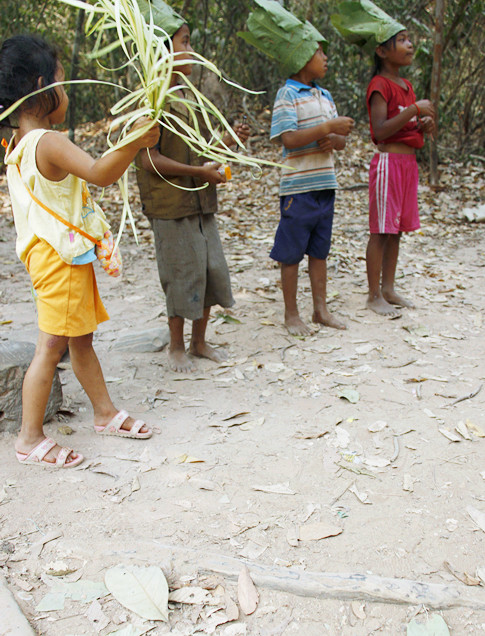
298	106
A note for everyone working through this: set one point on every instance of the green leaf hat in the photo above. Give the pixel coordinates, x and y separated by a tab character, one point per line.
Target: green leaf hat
365	24
281	36
163	15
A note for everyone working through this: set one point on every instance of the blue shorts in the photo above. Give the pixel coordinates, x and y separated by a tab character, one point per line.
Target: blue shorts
305	226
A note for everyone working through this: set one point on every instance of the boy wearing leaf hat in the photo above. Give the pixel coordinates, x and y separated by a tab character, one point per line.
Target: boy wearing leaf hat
191	263
397	124
306	122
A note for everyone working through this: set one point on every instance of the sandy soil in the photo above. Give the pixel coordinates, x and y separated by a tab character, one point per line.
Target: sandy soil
298	453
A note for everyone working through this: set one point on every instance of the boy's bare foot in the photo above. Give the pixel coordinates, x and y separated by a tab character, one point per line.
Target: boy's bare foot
205	350
327	319
396	299
380	306
179	361
296	326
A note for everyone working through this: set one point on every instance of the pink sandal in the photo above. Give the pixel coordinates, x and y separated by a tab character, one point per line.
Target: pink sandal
37	456
114	427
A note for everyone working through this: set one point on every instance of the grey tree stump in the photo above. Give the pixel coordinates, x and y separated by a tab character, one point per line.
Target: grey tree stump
15	358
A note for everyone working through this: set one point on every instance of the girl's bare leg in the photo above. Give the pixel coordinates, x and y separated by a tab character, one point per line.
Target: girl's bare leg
35	394
87	369
317	269
289	284
198	344
374	261
389	264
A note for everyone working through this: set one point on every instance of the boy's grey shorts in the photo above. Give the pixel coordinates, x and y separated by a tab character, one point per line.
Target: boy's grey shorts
191	265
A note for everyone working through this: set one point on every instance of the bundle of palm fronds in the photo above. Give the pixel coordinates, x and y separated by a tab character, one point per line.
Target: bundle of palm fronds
148	51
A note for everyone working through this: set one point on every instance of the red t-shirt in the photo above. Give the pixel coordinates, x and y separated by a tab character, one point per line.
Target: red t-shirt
397	98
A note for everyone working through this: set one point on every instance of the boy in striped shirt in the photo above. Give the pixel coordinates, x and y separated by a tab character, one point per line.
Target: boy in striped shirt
306	122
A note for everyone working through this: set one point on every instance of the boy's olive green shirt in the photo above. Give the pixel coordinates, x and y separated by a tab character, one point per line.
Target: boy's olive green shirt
160	198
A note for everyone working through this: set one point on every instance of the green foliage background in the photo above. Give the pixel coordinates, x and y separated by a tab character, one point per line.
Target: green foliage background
214	24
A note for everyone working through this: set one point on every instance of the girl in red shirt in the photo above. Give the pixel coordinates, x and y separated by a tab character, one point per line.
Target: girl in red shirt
397	125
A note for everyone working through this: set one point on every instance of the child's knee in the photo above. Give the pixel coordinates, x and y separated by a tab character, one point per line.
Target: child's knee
81	343
51	347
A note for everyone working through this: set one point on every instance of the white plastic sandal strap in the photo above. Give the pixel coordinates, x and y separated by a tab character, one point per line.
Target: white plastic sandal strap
62	456
116	423
41	450
137	426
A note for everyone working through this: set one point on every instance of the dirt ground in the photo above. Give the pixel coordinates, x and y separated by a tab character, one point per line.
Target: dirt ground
347	428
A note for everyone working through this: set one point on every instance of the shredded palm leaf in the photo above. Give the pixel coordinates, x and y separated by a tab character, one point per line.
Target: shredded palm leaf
149	52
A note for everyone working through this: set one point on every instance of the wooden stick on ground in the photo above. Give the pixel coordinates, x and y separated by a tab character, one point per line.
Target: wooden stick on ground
329	585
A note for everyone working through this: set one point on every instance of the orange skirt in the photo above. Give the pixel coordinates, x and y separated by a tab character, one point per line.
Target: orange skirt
67	298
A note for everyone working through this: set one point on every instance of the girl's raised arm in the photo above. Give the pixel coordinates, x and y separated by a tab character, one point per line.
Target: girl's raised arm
57	157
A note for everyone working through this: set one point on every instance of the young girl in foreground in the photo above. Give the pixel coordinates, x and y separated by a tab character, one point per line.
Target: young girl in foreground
397	124
59	260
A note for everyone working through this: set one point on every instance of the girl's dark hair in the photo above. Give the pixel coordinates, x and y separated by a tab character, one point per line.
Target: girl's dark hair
24	59
391	42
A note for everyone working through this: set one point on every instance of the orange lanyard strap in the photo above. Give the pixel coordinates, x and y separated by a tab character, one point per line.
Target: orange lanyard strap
58	217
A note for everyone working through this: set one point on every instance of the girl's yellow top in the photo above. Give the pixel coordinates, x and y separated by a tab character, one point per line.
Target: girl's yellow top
69	198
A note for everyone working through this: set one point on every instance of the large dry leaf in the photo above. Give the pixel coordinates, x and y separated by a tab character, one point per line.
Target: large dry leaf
247	593
141	590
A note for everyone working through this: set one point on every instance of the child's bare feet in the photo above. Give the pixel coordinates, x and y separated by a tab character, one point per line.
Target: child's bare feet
380	306
205	350
327	319
296	326
396	299
179	361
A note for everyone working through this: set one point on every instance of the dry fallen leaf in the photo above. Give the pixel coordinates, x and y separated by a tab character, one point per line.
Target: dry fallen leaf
141	590
462	430
408	483
276	489
377	426
453	437
187	459
476	430
317	531
247	593
376	462
358	610
477	516
232	610
464	577
363	497
97	617
190	595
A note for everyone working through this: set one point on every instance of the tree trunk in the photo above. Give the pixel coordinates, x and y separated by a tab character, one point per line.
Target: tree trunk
74	68
435	86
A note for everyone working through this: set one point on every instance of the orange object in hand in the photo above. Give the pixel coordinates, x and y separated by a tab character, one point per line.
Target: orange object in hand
226	171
